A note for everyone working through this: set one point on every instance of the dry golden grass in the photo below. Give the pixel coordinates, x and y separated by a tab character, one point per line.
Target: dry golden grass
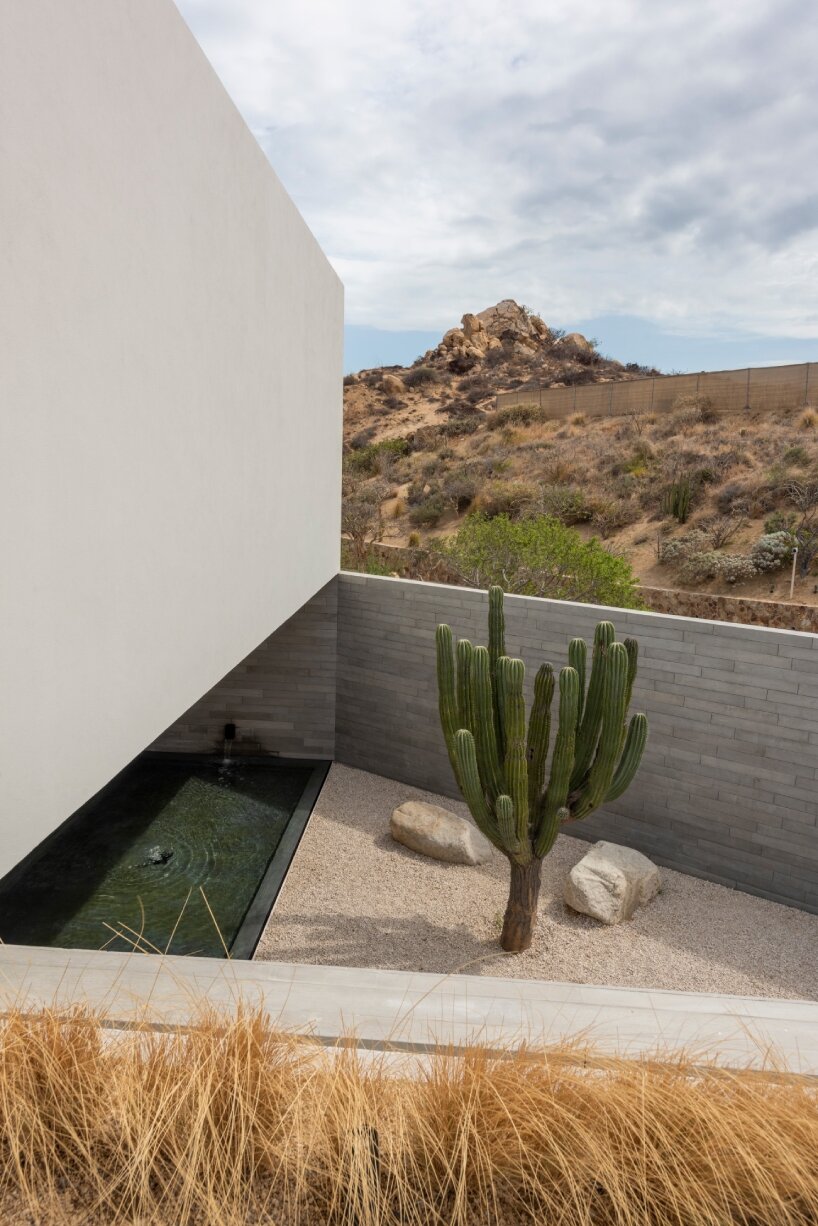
233	1122
808	419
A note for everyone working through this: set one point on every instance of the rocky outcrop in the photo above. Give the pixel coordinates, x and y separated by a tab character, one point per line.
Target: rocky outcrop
610	882
437	833
505	324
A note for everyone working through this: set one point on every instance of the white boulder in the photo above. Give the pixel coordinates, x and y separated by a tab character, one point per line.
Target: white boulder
610	882
436	832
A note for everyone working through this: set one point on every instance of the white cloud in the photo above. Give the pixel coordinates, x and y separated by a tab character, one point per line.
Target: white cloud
608	156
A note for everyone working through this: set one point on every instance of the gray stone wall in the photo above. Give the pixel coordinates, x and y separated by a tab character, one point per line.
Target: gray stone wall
727	788
281	697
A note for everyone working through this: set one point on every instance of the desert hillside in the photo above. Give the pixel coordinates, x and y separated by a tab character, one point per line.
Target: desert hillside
694	498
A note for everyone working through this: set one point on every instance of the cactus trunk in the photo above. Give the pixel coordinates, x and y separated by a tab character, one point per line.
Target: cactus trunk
521	910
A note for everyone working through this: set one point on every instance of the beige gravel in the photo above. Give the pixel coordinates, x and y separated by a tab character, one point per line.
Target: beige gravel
354	897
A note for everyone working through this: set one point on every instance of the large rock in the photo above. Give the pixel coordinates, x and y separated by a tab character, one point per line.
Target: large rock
576	340
436	832
610	882
393	385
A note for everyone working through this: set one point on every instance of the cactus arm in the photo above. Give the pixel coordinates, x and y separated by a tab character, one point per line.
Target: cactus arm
488	759
471	787
554	809
447	701
548	835
512	673
465	710
497	649
588	734
635	743
593	791
507	826
577	659
539	735
632	648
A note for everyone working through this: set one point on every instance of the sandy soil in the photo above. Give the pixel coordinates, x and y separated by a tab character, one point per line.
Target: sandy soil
353	897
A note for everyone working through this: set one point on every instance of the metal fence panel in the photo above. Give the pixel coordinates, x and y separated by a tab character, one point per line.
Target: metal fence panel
762	387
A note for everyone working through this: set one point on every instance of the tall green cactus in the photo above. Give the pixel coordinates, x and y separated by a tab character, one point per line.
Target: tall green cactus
501	767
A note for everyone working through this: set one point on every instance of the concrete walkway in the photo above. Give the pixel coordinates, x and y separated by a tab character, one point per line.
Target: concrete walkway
394	1009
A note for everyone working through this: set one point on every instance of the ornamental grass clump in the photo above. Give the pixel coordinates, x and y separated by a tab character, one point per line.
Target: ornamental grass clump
500	767
230	1122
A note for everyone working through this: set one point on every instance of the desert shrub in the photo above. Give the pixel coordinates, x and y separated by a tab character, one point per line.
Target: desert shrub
428	511
516	415
638	463
677	550
539	557
772	551
780	521
679	422
361	517
733	567
582	373
509	498
701	567
368	460
722	528
733	498
349	380
808	419
559	471
695	407
361	439
420	376
462	363
567	503
426	438
414	540
796	455
393	403
612	514
458	426
446	453
459	489
369	563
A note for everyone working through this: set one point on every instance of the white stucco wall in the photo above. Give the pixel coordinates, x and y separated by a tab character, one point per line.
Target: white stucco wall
170	396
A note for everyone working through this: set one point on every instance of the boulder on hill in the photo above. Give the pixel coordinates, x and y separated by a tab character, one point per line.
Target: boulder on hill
577	340
392	385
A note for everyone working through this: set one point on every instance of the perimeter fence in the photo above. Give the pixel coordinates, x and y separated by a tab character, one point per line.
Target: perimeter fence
756	387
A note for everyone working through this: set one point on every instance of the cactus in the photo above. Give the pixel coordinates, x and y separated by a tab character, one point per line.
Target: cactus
677	498
500	765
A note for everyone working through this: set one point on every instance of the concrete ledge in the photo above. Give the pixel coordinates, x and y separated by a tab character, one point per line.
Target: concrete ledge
393	1010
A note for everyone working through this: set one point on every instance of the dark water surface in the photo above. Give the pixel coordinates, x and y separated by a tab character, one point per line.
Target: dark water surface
136	856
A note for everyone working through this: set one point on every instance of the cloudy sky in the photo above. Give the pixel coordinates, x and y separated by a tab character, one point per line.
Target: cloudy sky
646	172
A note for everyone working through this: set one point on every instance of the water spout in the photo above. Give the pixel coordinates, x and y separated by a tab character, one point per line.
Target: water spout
227	743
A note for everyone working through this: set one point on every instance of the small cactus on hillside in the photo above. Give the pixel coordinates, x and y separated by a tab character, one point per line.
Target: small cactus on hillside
500	764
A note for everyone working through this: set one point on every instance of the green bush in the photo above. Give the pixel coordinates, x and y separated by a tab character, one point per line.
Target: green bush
540	557
364	461
425	514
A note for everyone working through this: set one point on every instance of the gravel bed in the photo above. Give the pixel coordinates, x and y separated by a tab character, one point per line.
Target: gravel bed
354	897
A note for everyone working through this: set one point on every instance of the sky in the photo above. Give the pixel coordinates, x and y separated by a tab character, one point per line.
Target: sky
642	172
